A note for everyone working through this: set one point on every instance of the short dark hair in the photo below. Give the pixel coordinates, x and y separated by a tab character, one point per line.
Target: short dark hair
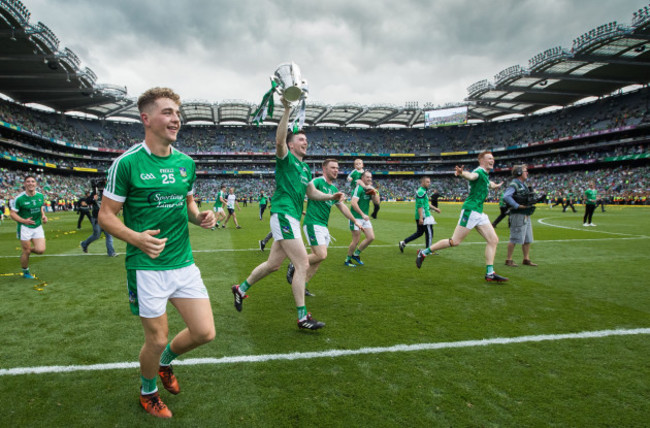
29	176
290	135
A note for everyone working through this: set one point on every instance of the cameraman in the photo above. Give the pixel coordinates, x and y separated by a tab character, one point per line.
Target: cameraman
521	201
95	204
83	205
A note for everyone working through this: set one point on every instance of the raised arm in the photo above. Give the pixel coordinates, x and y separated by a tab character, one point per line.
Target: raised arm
460	172
281	148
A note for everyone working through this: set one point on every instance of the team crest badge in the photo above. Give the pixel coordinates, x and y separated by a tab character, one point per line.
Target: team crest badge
183	171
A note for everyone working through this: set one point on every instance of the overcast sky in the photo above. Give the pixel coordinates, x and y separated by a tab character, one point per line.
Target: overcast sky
367	52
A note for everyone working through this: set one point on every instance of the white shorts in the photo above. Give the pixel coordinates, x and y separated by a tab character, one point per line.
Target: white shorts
428	220
284	227
218	209
470	219
364	223
29	233
317	235
149	290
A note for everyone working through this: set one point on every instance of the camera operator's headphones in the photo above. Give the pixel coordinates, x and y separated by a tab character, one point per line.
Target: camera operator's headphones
518	170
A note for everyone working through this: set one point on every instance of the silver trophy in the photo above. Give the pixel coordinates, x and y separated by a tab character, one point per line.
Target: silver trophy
290	85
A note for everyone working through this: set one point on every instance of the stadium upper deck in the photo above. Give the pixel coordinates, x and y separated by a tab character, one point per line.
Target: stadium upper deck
35	69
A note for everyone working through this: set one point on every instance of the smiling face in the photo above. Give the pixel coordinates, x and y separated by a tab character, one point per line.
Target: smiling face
30	185
366	178
162	120
486	161
298	145
358	164
331	171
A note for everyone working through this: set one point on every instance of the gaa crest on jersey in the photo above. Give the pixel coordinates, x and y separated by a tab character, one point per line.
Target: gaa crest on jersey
183	171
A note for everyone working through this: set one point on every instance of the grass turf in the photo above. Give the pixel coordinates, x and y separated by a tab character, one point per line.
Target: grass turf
588	279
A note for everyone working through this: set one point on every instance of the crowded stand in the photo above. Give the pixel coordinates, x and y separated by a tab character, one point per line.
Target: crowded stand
605	140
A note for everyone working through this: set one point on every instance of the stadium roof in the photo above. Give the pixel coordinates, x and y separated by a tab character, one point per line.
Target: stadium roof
35	69
600	62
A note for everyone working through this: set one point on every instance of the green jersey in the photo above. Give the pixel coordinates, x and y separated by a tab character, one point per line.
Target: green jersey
263	199
355	175
591	196
422	201
218	203
291	180
318	212
478	191
154	192
363	202
28	207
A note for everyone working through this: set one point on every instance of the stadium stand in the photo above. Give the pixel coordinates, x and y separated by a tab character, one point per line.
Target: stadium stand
606	138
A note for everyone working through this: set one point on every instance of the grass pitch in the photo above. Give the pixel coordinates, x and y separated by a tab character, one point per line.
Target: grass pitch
589	279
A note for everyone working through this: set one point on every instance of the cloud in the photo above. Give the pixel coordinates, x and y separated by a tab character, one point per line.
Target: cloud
369	52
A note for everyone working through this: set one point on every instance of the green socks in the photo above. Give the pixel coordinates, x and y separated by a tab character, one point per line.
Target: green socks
357	252
167	356
244	286
148	385
489	269
426	251
302	312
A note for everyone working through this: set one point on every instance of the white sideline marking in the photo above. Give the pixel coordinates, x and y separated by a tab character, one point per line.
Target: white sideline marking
235	250
335	352
586	229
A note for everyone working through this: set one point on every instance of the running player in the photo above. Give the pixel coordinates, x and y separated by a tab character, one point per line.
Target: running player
292	182
28	210
153	182
423	218
472	216
360	206
317	218
219	202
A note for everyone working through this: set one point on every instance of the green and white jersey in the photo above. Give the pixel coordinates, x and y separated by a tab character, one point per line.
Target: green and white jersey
478	191
422	201
263	199
318	212
218	203
364	201
355	175
28	207
591	195
153	190
291	180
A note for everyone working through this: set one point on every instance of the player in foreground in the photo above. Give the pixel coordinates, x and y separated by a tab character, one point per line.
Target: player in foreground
317	218
153	182
472	216
28	211
360	203
292	182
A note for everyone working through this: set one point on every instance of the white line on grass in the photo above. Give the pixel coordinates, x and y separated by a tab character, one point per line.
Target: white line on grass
335	352
541	221
236	250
